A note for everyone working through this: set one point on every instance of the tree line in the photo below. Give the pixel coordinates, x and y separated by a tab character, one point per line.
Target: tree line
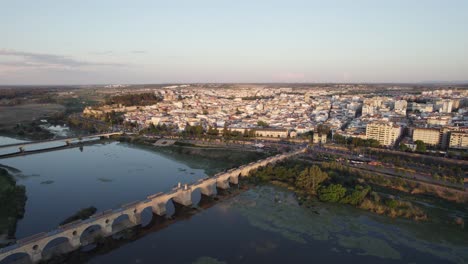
135	99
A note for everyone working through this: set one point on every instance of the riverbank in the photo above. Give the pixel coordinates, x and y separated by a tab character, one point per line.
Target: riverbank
27	131
222	155
328	184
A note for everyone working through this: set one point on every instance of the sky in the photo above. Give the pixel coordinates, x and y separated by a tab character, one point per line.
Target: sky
175	41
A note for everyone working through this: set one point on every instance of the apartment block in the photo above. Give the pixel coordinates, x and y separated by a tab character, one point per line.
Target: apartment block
430	136
458	140
386	133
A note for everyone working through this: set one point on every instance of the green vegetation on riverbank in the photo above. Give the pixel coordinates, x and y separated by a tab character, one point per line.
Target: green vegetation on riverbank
329	183
12	203
30	130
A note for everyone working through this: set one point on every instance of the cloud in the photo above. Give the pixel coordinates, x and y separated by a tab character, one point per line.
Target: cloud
106	52
22	59
111	52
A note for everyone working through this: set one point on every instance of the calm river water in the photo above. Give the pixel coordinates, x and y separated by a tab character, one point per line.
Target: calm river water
261	225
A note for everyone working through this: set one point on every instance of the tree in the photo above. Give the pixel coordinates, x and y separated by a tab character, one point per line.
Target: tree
332	193
311	178
323	129
339	139
420	146
403	147
212	131
135	99
357	196
226	133
262	124
391	203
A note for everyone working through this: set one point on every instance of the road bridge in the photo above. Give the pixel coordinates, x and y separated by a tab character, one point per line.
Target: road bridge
64	140
67	141
77	234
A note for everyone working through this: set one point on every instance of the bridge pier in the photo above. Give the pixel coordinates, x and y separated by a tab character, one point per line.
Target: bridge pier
75	241
159	209
183	197
36	255
107	228
245	172
222	184
234	179
208	190
135	218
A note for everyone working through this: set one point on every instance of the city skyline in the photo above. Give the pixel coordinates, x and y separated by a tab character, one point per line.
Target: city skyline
55	42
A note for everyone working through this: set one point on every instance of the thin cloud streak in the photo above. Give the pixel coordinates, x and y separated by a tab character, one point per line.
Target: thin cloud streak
42	60
107	52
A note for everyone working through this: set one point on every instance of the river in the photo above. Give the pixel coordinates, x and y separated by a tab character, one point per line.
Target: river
264	224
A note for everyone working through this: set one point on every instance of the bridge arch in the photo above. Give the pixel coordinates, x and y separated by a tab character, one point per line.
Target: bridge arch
120	223
19	257
146	215
170	207
56	246
91	233
196	196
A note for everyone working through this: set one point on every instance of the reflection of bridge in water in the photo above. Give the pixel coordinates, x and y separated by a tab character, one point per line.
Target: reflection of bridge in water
72	236
68	142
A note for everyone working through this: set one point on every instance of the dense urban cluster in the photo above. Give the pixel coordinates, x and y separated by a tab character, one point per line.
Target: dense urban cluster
434	119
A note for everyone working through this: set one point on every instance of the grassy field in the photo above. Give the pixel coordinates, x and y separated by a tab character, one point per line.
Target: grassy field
12	115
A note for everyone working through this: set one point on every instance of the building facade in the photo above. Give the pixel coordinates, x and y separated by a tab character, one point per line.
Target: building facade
430	136
386	133
458	140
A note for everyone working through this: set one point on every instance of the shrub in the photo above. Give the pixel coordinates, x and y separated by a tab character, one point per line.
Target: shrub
332	193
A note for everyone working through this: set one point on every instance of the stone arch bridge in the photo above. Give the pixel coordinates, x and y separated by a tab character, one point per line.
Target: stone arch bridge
74	233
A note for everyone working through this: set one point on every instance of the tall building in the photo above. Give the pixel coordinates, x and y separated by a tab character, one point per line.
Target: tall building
386	133
430	136
367	110
458	140
444	106
400	107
